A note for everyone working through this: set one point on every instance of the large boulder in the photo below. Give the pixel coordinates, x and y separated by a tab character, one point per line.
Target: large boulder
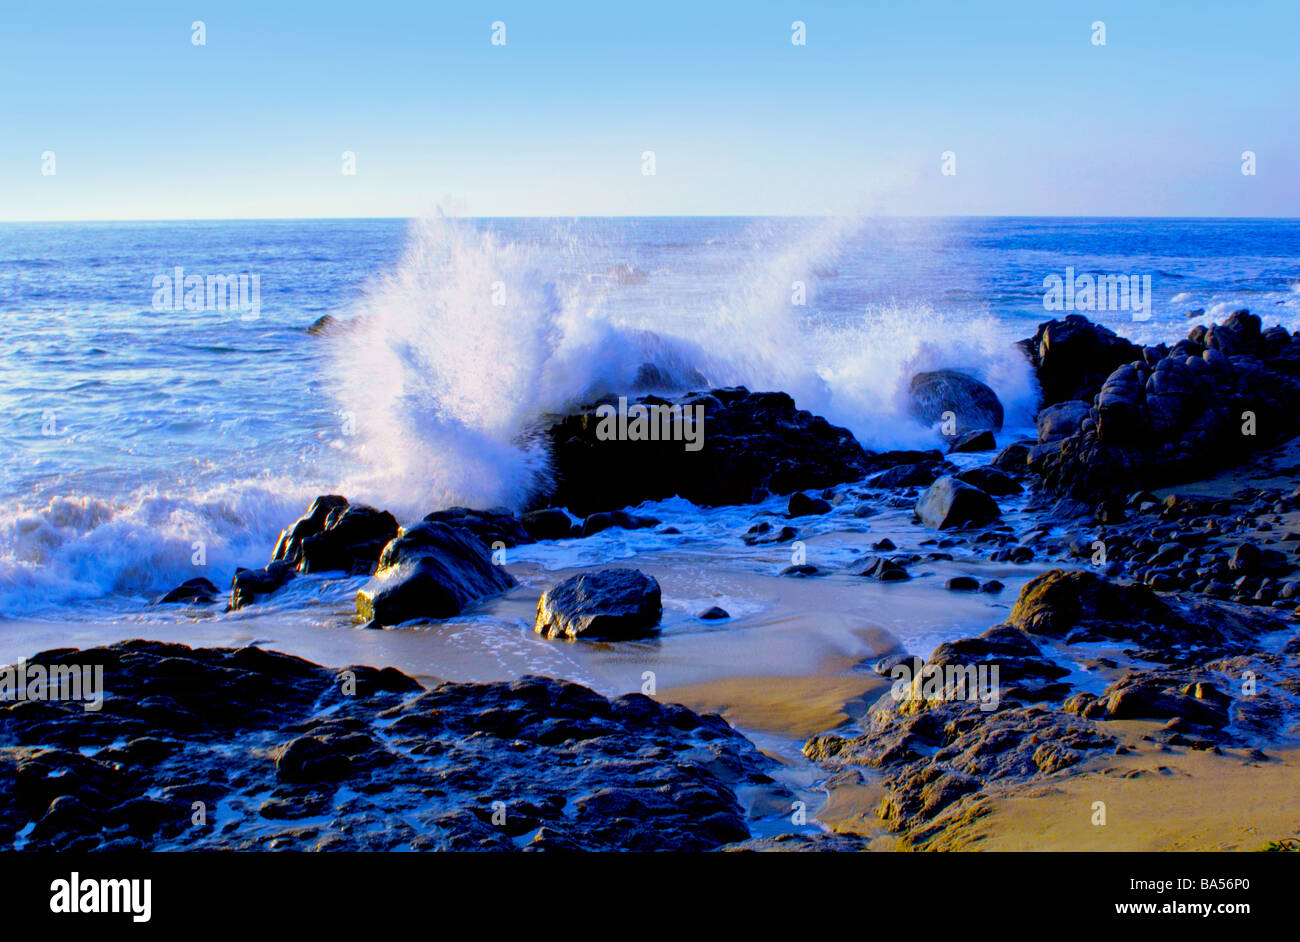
430	571
974	404
752	444
336	535
950	502
1073	357
610	604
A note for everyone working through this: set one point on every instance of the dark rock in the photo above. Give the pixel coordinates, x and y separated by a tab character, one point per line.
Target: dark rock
763	532
550	523
193	590
611	604
880	569
905	475
334	535
953	503
325	324
801	505
991	481
460	766
962	584
1079	606
799	570
713	612
981	440
1061	420
751	442
430	570
497	527
249	585
620	519
1014	458
1074	356
973	403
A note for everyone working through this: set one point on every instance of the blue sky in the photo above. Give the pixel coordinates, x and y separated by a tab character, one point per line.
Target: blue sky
145	125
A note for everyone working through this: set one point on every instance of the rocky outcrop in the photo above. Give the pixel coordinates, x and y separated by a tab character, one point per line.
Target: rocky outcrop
429	571
1072	357
611	604
752	444
1179	413
301	757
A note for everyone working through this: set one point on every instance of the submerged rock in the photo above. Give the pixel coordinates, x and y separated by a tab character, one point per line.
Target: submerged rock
616	519
430	570
611	604
192	590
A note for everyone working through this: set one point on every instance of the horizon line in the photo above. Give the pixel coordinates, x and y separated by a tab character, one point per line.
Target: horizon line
177	219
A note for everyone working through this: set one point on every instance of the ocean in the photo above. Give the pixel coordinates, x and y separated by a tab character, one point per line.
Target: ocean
144	432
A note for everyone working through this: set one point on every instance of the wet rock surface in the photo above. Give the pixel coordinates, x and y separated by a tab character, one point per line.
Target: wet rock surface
607	605
430	570
751	441
199	748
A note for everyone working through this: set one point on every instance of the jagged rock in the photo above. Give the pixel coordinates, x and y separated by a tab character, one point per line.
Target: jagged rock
611	604
751	442
429	570
1074	356
302	764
